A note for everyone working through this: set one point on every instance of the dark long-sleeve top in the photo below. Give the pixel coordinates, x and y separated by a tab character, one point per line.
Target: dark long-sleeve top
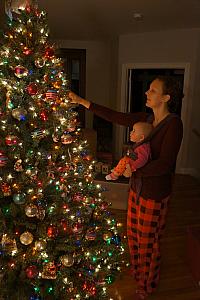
156	175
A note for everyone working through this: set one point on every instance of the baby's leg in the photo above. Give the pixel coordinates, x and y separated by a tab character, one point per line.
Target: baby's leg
119	169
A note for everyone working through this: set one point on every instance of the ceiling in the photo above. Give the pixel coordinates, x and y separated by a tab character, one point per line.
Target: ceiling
106	19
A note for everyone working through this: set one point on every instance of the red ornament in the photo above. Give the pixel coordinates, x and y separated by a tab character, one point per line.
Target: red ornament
27	51
20	71
90	288
5	187
52	231
32	89
11	140
3	159
49	52
43	115
31	272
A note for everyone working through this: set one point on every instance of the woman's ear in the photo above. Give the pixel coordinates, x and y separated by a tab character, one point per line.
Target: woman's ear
167	98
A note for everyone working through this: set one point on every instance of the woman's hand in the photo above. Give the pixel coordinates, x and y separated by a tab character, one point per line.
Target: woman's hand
74	98
78	100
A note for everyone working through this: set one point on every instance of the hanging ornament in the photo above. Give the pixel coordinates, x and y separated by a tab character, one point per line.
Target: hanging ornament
8	245
39	62
49	53
49	271
67	260
90	235
5	187
40	245
31	272
20	71
3	159
77	228
107	236
55	137
78	197
19	113
41	213
90	288
51	95
19	198
52	231
70	128
116	239
31	210
32	89
57	84
11	140
38	134
31	171
27	51
43	115
26	238
18	166
66	139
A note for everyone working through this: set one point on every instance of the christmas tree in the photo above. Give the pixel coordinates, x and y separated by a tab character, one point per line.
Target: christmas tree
58	239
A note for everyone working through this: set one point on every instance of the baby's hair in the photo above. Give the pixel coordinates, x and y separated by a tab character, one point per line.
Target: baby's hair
146	128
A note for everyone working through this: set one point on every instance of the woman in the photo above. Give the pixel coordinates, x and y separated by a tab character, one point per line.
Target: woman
151	185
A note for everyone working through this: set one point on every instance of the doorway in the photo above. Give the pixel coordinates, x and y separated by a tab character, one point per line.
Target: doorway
135	80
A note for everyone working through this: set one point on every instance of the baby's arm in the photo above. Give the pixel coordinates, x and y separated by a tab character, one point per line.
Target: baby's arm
143	154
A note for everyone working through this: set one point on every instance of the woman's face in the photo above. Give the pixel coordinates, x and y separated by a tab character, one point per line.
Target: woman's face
155	96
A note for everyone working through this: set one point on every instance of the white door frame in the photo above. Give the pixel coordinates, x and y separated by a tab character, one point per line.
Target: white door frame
185	111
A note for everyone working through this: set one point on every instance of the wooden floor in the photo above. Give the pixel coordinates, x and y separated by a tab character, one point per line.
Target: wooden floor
176	280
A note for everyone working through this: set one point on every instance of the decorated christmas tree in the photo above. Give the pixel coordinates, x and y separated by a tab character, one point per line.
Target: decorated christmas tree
58	239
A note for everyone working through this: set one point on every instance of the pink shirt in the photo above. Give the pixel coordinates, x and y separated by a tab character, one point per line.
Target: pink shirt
143	155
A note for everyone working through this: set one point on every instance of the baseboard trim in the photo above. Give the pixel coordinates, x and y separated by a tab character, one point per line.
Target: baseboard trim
189	171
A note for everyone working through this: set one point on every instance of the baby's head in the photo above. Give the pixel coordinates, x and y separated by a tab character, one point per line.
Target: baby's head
140	131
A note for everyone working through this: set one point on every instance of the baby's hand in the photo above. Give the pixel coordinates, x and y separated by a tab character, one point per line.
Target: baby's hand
127	173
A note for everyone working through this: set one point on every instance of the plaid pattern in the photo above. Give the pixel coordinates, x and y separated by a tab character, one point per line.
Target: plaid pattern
145	225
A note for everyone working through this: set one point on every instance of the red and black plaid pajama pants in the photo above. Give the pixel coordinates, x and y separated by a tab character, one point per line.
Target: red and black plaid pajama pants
145	225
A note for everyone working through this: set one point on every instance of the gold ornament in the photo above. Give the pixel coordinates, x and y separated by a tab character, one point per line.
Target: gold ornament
49	271
8	244
26	238
67	260
31	210
40	245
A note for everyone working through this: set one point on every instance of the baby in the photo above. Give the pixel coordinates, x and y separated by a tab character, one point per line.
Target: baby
141	153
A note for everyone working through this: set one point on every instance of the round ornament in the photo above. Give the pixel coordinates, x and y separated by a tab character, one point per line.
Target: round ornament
90	235
19	113
20	71
52	231
55	137
6	189
31	272
51	95
38	134
3	159
40	245
32	89
77	228
26	238
27	51
31	210
11	140
57	84
19	198
49	52
107	236
67	260
66	139
39	62
43	115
